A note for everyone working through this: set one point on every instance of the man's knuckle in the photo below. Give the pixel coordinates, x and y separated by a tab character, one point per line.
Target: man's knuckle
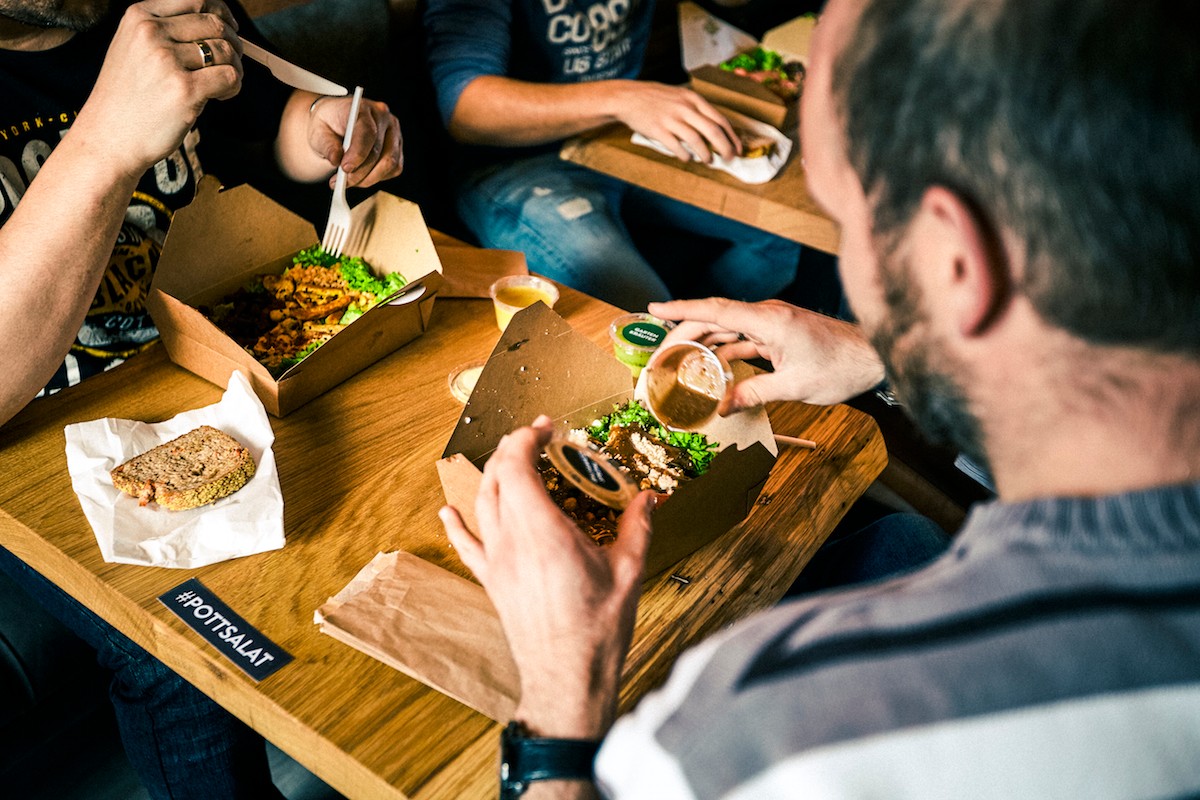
214	25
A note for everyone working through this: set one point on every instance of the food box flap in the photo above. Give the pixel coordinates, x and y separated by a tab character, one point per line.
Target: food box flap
541	365
705	38
226	234
701	510
393	238
792	39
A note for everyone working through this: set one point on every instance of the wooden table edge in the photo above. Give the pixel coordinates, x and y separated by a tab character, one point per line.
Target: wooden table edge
586	150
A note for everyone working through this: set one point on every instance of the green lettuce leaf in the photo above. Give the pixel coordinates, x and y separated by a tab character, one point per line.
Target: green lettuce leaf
631	413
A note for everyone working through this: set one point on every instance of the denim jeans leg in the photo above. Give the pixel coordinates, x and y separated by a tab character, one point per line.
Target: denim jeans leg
564	218
893	544
715	255
183	745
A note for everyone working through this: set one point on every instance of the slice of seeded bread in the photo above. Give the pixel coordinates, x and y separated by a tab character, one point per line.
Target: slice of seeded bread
198	468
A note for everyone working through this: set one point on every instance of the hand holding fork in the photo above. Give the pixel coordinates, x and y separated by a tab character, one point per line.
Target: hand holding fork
337	230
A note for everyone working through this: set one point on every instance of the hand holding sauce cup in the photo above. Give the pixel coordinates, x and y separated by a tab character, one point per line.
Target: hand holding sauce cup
685	383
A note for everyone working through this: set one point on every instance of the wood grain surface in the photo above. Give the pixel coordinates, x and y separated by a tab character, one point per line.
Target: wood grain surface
357	471
781	206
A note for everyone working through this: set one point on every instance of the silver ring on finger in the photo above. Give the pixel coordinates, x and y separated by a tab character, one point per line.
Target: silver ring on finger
206	53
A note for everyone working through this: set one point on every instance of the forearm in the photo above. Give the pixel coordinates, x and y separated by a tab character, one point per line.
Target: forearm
502	111
51	262
850	360
293	153
555	715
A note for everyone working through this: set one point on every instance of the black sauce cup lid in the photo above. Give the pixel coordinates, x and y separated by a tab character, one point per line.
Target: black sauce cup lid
591	472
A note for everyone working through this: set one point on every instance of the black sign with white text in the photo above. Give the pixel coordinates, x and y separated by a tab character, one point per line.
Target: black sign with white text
587	466
236	639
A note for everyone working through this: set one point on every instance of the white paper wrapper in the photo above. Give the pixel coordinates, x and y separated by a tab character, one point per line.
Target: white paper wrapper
248	521
746	170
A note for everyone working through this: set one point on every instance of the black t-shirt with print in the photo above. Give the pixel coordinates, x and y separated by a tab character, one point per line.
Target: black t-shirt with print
40	95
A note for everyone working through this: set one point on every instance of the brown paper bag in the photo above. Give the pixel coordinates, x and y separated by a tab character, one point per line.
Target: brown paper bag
431	625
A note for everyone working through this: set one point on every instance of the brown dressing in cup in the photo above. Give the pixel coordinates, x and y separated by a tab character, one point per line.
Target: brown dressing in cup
684	385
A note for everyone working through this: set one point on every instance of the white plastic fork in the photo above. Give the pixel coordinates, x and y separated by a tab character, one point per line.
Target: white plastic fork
337	230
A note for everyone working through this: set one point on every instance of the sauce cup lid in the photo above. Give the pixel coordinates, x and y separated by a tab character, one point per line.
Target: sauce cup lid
591	472
639	331
462	380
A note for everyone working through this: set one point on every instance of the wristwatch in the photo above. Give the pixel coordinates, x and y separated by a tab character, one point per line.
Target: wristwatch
525	758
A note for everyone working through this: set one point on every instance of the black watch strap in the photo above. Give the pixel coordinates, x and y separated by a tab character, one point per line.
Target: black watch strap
524	759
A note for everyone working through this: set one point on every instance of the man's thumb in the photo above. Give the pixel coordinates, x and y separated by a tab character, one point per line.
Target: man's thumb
634	527
744	394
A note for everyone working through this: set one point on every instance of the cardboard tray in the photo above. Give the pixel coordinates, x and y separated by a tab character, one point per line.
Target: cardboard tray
543	366
223	239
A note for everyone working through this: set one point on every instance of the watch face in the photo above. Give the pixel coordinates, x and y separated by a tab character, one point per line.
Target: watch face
524	758
510	789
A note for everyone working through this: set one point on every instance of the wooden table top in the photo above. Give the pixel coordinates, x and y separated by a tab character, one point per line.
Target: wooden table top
781	206
357	471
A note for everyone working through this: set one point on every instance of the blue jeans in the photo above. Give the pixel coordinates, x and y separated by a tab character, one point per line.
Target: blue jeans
889	546
623	244
182	744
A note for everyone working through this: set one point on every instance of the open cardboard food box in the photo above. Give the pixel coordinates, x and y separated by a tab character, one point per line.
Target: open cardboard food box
543	366
223	239
746	96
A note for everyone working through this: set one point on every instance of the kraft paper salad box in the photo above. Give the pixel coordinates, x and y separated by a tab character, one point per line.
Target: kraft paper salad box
541	365
224	239
711	43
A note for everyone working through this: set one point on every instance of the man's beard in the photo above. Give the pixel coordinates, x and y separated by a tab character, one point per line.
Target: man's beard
920	371
78	17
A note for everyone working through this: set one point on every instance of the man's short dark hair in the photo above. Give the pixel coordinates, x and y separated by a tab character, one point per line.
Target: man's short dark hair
1072	123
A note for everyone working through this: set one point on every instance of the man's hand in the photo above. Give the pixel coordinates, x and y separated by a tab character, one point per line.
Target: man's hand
681	120
309	147
816	359
154	82
376	149
567	606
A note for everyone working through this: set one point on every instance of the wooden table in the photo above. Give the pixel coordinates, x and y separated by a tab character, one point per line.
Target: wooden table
781	206
357	471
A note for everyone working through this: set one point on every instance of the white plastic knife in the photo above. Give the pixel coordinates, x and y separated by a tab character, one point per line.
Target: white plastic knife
290	74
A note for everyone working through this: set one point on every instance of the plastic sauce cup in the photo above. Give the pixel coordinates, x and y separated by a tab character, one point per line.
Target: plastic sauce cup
685	383
635	337
512	293
462	380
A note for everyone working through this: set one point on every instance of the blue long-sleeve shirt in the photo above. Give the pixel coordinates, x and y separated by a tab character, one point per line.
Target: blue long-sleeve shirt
540	41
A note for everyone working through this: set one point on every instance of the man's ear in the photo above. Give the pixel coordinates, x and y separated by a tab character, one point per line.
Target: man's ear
975	280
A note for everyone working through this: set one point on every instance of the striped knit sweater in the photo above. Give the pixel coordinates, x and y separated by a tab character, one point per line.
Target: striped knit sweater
1053	652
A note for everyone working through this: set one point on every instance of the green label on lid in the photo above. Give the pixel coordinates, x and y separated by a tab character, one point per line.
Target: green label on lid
643	334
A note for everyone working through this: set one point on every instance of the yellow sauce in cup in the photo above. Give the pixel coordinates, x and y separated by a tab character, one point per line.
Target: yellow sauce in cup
515	292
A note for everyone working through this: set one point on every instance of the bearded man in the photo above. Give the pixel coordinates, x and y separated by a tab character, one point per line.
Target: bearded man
1020	230
109	116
